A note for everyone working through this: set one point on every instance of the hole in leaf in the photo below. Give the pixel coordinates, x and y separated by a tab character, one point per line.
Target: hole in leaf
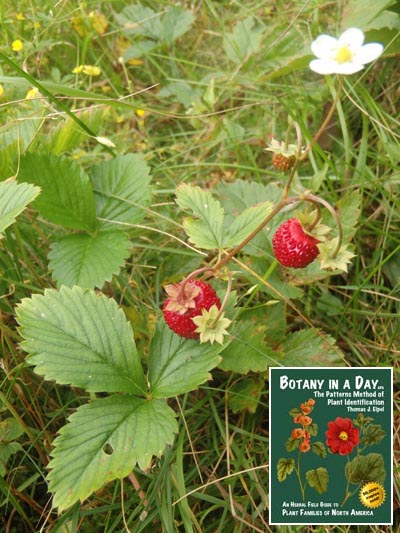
108	449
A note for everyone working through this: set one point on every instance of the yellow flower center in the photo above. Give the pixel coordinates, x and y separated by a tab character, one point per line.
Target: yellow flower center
343	435
344	55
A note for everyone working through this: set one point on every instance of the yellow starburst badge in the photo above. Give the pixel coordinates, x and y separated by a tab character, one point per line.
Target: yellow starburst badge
372	494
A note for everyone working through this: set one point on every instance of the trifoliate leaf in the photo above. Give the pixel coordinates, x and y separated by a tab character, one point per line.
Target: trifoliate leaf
212	325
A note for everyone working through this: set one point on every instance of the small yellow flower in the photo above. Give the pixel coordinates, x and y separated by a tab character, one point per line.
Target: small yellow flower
1	90
17	45
32	93
140	112
91	70
19	16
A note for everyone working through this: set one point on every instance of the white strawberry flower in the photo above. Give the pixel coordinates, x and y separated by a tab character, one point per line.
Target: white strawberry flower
345	55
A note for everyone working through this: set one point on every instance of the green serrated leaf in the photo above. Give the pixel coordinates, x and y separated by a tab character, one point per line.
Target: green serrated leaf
248	350
247	222
364	468
122	191
14	197
67	197
318	479
103	440
175	23
139	20
244	40
284	468
177	365
309	347
206	231
77	337
86	260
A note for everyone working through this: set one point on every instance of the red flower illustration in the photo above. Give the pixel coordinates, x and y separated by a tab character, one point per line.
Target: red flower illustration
342	436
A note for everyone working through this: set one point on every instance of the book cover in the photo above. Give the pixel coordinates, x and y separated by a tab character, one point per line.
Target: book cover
330	435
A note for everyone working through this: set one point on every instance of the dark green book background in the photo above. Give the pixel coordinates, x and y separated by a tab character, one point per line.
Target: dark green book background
353	488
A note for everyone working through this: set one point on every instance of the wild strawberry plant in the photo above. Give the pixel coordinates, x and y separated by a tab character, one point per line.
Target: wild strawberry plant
249	241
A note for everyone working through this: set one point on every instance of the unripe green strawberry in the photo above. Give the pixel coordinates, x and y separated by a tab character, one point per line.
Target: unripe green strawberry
185	302
292	246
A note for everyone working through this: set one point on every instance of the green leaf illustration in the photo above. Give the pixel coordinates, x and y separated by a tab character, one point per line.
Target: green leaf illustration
86	260
319	449
285	467
318	479
206	230
103	440
292	444
122	191
77	337
178	365
67	197
14	197
372	434
365	468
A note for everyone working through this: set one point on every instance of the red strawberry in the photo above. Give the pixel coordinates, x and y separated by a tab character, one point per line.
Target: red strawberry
185	301
292	246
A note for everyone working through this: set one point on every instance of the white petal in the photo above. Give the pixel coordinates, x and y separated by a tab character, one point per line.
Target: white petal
348	68
323	66
353	38
367	53
323	46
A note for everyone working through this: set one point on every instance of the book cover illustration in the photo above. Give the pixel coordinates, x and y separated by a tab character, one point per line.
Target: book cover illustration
330	445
